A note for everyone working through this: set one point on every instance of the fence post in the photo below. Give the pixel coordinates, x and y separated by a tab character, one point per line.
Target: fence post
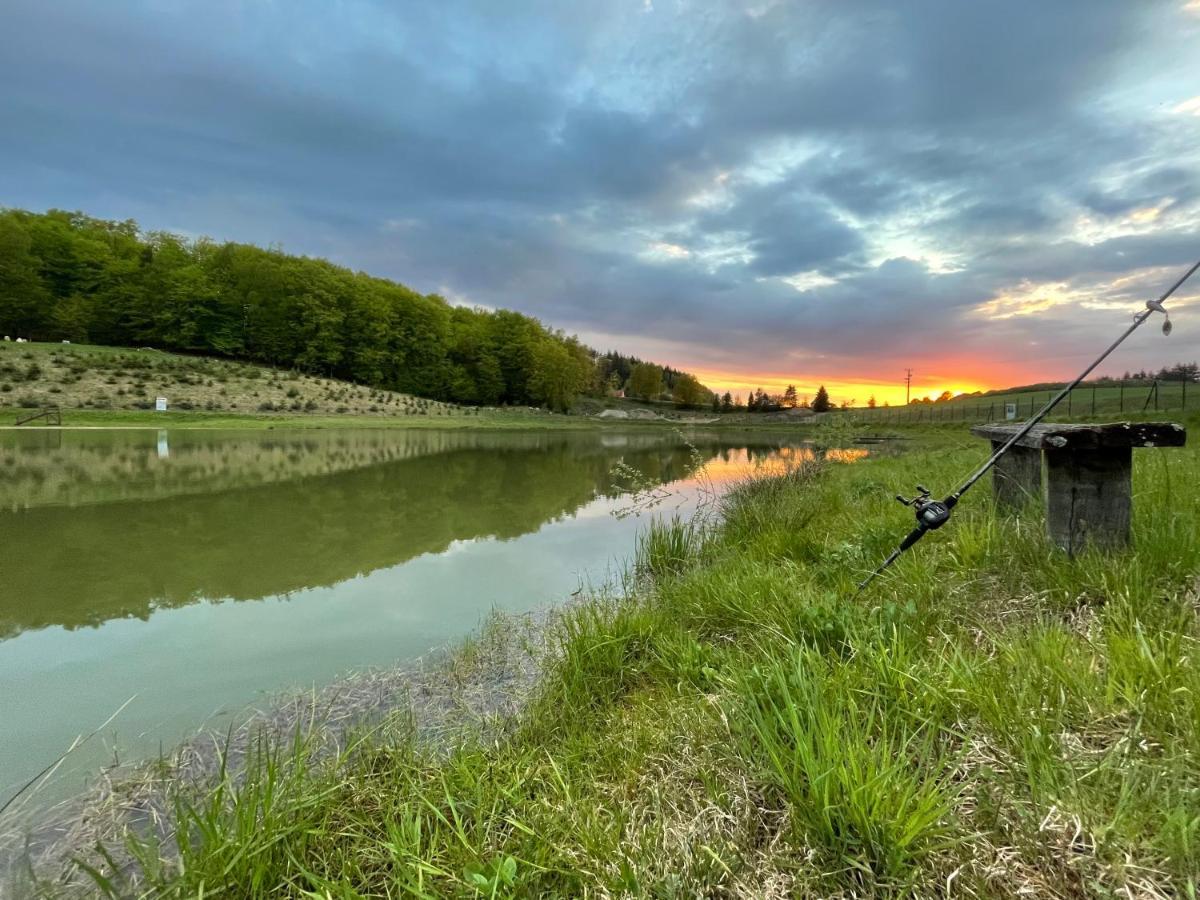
1122	395
1069	393
1093	399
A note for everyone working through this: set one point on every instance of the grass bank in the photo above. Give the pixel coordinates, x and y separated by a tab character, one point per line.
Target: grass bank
992	720
115	387
523	419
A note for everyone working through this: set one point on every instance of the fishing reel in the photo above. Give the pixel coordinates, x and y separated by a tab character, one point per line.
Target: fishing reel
931	514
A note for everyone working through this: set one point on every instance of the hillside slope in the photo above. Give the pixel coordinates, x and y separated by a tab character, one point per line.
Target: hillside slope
112	378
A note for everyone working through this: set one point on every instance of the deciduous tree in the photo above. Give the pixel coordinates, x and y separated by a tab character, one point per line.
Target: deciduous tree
645	381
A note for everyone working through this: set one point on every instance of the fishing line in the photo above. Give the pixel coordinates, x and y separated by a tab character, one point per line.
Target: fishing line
933	514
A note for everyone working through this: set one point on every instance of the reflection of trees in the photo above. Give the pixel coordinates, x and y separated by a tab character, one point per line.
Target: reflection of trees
82	565
41	468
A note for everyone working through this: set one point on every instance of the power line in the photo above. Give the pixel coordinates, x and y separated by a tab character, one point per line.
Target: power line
907	385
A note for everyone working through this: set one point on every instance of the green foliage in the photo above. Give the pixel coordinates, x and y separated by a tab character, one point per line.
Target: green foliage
560	371
668	547
645	381
67	276
689	392
872	790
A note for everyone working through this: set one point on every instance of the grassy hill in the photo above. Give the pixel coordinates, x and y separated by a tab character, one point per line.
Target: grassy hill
79	377
1130	399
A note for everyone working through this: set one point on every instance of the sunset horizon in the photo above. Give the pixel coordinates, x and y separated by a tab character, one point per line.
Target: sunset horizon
760	193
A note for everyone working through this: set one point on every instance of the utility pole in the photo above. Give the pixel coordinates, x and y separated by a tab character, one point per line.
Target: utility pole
907	385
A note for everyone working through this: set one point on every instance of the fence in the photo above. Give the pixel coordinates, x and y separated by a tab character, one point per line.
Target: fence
1087	400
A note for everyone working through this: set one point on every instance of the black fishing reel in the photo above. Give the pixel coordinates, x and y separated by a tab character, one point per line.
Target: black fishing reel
931	514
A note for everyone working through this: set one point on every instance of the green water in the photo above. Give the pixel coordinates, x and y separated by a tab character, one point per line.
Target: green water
193	571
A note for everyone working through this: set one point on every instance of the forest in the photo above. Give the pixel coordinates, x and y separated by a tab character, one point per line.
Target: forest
68	276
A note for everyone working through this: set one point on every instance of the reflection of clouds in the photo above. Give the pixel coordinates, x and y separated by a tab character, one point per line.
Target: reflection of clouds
736	465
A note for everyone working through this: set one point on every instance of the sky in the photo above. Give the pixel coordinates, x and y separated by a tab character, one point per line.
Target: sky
760	192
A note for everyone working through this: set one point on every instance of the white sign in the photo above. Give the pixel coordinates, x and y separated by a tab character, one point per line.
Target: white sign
1010	411
160	404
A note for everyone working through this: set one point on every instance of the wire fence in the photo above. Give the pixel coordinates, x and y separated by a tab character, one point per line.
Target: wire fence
1086	400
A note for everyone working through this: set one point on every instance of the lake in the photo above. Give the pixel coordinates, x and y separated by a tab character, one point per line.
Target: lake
191	572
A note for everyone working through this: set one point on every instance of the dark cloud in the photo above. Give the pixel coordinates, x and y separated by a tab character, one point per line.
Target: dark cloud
643	171
785	231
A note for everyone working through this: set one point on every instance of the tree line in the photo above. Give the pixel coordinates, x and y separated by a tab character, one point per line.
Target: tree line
68	276
760	401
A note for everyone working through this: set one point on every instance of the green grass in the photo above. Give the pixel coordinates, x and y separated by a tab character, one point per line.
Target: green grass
1136	400
497	418
992	720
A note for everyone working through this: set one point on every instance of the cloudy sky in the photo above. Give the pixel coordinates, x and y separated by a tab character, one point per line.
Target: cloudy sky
762	192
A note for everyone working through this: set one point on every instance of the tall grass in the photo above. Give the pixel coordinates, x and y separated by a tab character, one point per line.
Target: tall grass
869	789
668	547
993	719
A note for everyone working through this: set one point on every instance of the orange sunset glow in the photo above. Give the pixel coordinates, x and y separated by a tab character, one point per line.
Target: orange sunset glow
842	389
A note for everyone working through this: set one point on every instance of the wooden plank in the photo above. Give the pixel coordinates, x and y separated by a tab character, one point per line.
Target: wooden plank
1017	477
1089	498
1089	436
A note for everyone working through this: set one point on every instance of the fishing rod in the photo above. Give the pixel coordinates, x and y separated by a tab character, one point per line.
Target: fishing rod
933	514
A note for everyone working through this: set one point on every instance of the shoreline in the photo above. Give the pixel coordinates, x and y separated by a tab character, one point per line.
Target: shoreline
736	721
93	420
467	689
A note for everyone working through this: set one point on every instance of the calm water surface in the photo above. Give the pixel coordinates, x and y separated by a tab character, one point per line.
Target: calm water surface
194	571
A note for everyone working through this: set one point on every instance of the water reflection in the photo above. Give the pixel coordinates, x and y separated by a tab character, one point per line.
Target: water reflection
357	548
97	526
